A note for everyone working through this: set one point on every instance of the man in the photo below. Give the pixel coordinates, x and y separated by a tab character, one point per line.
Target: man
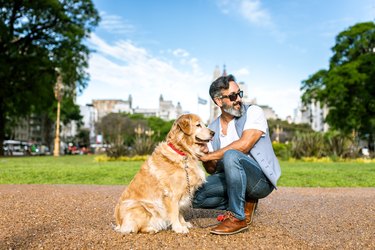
240	159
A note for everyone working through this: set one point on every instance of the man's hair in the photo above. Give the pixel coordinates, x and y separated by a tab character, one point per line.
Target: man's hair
219	84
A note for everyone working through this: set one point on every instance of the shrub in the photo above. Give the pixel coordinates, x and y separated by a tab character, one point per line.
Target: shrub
282	150
104	158
338	145
117	151
143	145
308	145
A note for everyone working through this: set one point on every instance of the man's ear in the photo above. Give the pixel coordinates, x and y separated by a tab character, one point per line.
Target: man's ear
218	102
184	123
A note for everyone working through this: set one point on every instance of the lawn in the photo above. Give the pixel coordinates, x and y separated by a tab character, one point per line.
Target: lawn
84	170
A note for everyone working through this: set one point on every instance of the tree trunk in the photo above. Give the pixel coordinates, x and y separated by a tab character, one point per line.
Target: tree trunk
2	128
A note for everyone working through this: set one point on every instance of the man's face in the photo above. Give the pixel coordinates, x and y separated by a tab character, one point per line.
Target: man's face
231	107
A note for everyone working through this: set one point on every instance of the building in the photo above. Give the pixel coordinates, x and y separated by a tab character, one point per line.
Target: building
167	111
313	114
29	129
93	113
90	117
107	106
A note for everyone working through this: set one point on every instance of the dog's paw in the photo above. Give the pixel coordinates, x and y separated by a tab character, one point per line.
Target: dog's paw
188	225
180	229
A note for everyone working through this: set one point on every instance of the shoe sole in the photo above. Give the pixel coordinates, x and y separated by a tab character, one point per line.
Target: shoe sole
252	214
235	232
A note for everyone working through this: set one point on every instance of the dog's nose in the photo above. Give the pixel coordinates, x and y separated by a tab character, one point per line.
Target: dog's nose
212	133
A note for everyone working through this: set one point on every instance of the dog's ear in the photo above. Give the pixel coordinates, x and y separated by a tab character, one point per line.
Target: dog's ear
184	123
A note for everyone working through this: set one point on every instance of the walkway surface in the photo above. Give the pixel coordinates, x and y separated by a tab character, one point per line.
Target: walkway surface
80	217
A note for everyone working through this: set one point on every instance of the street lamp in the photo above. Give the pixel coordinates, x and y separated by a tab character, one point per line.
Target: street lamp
58	89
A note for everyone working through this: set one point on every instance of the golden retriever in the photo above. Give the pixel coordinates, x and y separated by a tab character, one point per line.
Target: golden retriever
159	192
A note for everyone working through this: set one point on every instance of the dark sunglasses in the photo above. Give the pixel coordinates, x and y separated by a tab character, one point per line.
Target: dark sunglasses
233	97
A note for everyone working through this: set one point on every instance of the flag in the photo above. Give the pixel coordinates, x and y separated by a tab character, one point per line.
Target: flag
202	101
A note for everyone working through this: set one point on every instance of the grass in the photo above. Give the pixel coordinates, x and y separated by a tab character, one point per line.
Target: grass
329	174
84	170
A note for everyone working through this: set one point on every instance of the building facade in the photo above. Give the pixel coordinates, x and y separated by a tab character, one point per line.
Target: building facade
313	114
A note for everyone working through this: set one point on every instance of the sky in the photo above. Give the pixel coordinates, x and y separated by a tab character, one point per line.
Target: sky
147	48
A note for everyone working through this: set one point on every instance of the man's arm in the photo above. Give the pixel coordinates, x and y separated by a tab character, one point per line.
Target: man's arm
244	144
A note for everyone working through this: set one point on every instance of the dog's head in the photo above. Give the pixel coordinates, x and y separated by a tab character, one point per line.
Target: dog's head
189	133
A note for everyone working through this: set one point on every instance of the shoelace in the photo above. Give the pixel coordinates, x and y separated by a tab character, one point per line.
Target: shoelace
226	215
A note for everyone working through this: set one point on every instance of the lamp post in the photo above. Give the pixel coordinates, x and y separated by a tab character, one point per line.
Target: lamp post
58	96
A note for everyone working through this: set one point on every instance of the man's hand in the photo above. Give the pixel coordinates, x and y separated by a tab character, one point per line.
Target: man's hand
204	148
204	158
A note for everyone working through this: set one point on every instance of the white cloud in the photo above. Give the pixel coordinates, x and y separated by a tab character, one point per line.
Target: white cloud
282	100
121	69
250	10
254	13
180	53
115	24
243	72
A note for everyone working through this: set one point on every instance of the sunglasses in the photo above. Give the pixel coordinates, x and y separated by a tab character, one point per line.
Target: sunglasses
233	97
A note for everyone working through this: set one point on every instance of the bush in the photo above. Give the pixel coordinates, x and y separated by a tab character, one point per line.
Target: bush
117	151
308	145
143	145
332	144
338	145
282	150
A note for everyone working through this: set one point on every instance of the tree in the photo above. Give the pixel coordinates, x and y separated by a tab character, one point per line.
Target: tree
117	129
37	38
288	129
348	86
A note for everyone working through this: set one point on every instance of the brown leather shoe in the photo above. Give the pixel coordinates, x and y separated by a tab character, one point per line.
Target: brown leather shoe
250	207
229	225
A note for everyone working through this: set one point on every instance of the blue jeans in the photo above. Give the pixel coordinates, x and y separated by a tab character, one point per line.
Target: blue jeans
239	178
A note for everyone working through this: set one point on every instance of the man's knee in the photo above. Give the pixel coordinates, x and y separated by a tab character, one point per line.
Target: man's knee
231	156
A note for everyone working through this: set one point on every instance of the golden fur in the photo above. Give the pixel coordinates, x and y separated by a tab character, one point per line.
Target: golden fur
155	197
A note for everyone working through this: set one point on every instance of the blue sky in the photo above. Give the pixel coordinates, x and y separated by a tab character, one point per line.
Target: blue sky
146	48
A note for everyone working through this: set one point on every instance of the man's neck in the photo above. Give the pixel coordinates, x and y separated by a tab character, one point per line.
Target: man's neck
225	117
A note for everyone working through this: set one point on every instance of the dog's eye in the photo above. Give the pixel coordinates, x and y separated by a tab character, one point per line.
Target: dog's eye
199	125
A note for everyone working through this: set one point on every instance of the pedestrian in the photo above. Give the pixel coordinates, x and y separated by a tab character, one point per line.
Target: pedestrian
240	159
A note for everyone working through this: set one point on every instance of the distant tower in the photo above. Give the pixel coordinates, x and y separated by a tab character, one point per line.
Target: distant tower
130	100
224	71
214	110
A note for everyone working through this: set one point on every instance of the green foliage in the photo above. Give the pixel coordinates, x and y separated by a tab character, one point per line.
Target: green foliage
332	144
156	124
117	151
307	145
83	137
282	150
160	127
143	145
85	170
339	145
132	134
36	38
288	129
116	128
347	87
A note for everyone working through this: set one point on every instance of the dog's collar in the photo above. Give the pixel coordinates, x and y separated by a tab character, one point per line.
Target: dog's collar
176	150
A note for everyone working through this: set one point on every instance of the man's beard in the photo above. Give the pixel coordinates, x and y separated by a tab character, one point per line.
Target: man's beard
230	109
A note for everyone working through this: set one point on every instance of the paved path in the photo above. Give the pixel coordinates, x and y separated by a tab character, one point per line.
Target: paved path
80	217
